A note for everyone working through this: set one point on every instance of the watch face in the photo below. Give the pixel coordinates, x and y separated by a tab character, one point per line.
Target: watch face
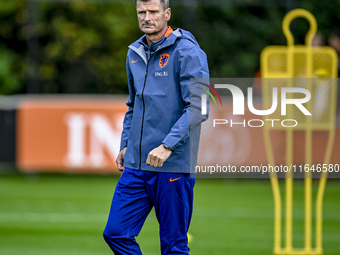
167	147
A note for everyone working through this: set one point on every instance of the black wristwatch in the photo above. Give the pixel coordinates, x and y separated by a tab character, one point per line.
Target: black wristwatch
167	147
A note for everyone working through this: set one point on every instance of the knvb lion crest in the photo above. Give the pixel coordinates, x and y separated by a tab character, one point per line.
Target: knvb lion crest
164	60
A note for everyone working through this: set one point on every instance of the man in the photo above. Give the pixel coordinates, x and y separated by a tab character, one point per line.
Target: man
156	152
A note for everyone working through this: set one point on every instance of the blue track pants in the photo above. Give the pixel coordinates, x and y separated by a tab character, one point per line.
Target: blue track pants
137	191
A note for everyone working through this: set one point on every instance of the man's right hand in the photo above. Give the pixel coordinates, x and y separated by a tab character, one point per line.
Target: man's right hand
120	159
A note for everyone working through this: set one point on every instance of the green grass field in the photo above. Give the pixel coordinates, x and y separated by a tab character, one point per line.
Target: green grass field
62	214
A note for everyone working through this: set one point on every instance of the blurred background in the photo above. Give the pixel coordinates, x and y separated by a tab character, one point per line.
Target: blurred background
79	46
62	93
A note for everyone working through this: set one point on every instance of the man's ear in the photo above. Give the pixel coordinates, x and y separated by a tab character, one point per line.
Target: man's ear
168	14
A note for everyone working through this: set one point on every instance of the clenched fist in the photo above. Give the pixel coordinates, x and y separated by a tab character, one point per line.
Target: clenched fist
157	156
120	159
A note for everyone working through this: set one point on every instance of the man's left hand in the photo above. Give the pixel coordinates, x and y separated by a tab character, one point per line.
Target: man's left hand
157	156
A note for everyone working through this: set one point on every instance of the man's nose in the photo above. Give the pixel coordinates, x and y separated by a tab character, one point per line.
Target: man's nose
147	16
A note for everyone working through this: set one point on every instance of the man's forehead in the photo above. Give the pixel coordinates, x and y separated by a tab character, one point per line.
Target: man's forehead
152	4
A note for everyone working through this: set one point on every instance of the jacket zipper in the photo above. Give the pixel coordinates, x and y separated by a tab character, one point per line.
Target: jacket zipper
141	134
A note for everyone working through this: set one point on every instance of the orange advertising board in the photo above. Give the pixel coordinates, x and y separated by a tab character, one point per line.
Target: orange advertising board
83	136
69	135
